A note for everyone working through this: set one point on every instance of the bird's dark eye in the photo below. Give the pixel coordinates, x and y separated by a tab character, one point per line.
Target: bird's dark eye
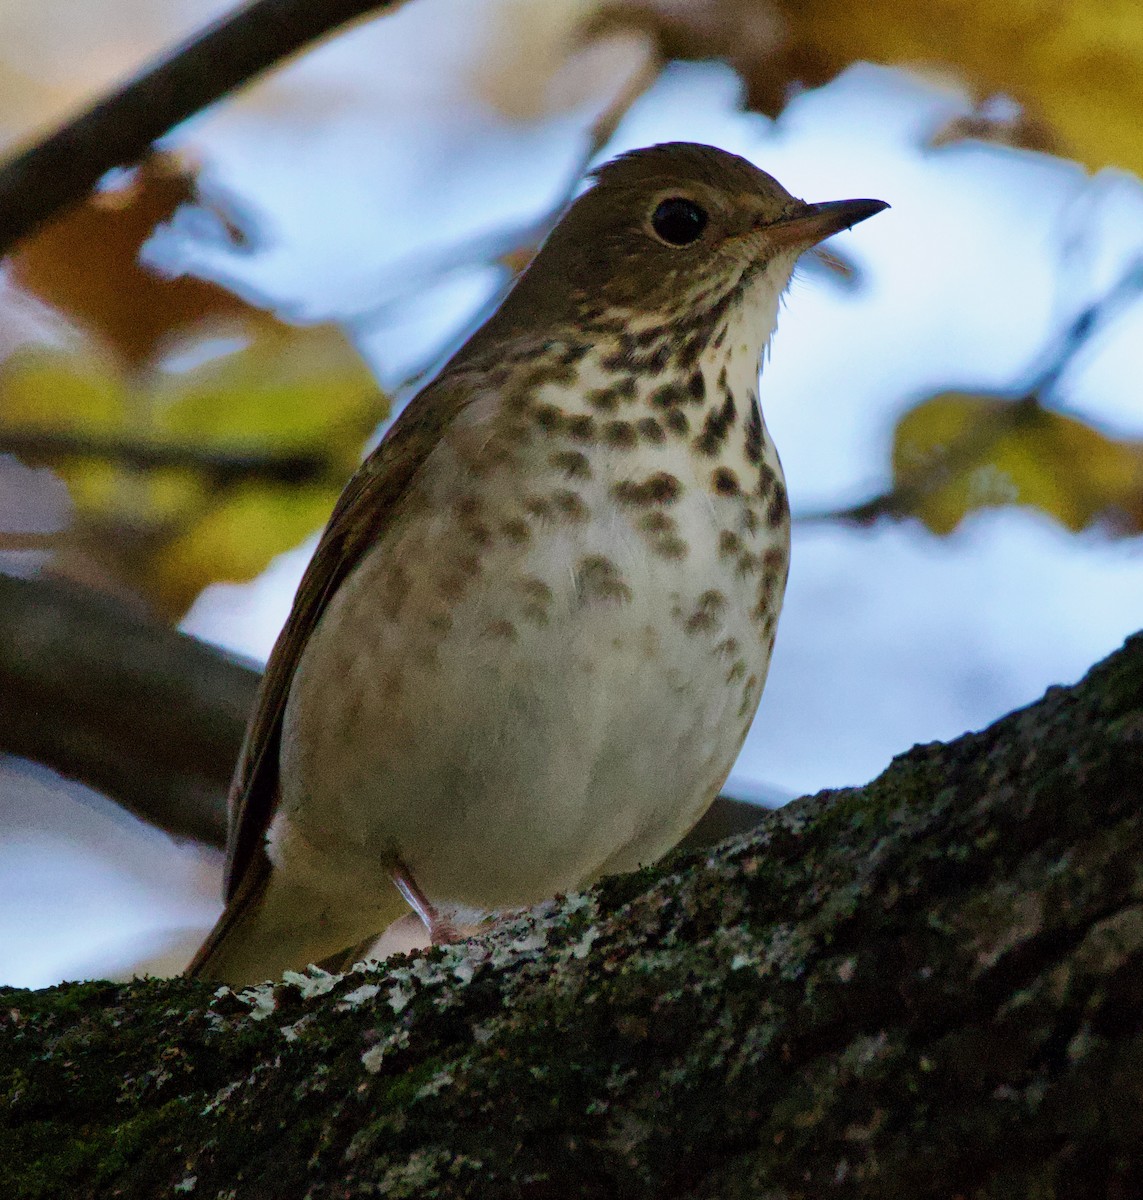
679	221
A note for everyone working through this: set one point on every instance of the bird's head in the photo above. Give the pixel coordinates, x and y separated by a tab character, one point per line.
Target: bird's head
663	228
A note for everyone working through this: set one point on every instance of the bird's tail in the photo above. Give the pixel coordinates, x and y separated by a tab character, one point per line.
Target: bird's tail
270	926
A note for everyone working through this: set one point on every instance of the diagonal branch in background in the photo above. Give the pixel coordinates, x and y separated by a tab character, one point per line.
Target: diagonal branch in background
1025	406
221	466
119	129
148	716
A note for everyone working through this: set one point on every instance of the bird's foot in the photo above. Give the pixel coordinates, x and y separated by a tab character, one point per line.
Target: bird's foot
442	932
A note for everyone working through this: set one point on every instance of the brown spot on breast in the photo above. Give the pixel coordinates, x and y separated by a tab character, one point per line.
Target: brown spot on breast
715	427
452	586
572	463
570	507
705	618
725	482
658	522
535	589
502	630
549	417
729	544
651	430
598	579
654	363
691	351
620	434
539	507
662	535
696	385
754	433
670	546
537	600
670	395
727	648
581	428
608	399
747	564
572	352
647	337
677	422
516	530
468	513
659	488
767	479
774	561
778	510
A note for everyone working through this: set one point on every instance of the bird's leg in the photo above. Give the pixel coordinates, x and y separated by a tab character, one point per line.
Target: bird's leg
441	931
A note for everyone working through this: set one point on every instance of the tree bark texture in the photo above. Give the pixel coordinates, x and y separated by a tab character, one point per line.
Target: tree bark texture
930	986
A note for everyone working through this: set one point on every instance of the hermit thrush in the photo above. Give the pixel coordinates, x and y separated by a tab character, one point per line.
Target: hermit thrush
535	631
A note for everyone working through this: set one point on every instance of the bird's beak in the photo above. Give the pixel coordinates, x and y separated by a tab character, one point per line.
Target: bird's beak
809	224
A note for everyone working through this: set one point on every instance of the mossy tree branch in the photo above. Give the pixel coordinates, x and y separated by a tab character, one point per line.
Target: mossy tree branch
931	986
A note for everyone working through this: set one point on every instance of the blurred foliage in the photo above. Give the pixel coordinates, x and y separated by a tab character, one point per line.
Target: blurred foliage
199	436
1075	69
957	452
88	267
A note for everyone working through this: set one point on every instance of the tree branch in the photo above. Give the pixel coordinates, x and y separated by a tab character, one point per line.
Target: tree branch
927	987
148	716
118	130
50	447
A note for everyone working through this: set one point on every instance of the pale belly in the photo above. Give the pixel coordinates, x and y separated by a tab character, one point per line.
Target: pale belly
522	728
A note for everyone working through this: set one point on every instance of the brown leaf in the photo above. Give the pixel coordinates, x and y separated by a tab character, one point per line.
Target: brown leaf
184	478
86	264
1001	124
757	38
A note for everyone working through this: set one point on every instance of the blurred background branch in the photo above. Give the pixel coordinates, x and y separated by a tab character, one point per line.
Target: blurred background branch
1032	416
62	169
140	712
220	466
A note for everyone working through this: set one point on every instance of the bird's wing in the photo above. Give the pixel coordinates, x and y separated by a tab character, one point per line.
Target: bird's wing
363	511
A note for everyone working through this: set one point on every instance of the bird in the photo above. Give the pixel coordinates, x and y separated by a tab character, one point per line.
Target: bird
536	628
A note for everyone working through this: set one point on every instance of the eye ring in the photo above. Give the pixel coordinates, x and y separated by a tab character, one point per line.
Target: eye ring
679	221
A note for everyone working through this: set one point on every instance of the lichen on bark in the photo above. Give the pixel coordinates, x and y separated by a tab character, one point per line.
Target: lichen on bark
928	986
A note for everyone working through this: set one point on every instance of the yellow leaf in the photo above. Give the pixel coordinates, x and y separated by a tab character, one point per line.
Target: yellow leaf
236	540
958	452
53	391
1076	67
184	478
287	389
